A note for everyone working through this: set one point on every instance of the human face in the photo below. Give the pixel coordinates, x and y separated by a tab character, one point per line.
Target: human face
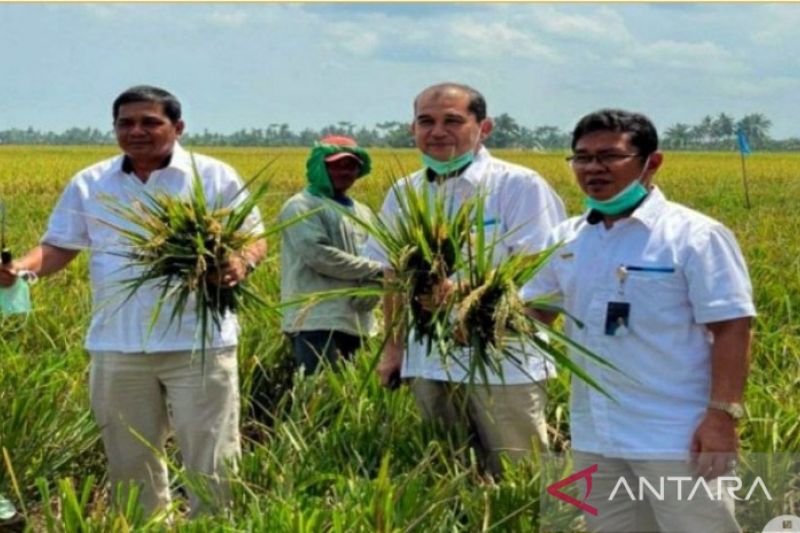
343	173
604	181
145	133
444	128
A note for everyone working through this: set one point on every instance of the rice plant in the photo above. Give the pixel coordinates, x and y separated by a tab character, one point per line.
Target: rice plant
317	464
432	242
180	244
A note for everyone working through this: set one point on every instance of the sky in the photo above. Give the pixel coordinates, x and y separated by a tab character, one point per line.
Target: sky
309	65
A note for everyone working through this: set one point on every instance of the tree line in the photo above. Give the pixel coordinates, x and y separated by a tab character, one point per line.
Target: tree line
711	133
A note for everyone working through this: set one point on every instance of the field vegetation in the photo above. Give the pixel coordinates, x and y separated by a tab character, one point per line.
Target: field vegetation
337	452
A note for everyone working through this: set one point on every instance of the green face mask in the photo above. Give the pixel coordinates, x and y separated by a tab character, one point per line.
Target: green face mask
443	168
626	199
15	299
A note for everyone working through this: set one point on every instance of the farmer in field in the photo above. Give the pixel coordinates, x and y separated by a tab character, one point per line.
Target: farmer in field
505	415
663	293
323	252
144	384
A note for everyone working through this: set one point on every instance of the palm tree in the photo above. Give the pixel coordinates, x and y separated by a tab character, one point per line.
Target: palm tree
550	137
395	134
505	133
678	136
702	131
724	127
756	126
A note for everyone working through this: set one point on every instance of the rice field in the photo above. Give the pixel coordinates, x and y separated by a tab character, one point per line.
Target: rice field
339	453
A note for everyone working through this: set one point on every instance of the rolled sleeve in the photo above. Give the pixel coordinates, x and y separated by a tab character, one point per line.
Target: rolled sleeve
234	193
544	283
718	282
67	227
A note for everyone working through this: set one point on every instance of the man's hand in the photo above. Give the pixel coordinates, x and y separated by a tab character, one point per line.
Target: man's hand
439	296
231	273
235	269
42	260
8	275
388	368
714	444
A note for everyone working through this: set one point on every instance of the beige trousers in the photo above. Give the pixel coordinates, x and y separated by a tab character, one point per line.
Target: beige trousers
505	419
141	396
667	512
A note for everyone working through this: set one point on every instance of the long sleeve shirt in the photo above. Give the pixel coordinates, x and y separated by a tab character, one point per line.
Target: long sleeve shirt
322	252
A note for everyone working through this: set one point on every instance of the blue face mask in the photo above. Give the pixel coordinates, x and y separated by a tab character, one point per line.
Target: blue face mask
626	199
444	168
15	299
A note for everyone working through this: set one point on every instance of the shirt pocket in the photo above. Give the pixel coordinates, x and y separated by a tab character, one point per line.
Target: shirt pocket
658	293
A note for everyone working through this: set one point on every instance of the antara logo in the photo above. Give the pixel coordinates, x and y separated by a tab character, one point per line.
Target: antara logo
724	484
555	489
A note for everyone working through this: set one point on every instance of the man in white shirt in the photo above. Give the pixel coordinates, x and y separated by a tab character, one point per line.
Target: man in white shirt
144	384
663	293
507	415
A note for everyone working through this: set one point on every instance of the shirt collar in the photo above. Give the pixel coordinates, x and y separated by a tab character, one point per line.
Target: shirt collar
431	176
648	212
179	159
474	172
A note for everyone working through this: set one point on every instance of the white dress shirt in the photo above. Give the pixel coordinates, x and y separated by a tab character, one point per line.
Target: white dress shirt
520	209
79	222
677	270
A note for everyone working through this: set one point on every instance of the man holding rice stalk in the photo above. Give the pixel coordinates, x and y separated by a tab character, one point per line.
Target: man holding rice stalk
664	294
322	252
504	407
146	374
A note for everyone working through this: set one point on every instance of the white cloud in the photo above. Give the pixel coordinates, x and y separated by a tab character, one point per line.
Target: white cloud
776	25
233	18
706	56
351	37
463	39
478	39
760	88
103	11
604	25
697	56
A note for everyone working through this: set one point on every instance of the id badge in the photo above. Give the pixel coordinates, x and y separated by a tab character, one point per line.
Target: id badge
617	316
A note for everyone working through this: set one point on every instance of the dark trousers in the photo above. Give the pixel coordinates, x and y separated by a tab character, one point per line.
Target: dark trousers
309	348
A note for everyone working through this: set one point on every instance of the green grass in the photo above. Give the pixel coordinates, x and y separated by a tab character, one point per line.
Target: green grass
334	457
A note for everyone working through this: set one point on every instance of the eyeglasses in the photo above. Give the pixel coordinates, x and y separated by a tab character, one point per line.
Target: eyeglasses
605	160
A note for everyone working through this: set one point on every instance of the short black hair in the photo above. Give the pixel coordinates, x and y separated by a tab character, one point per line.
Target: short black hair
476	105
643	133
148	93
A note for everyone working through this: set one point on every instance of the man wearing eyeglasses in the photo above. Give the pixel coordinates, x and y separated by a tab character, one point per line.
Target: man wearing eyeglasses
663	294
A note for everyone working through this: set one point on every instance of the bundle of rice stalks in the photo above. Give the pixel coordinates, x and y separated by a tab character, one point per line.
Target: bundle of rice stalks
179	244
425	251
431	241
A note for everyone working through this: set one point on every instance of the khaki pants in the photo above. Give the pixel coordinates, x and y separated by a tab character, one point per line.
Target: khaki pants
701	514
506	419
149	394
